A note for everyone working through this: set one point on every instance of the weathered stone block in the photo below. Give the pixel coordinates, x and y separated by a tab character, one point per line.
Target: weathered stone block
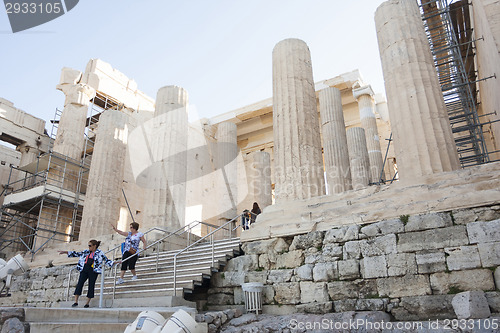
348	269
317	308
496	276
352	250
220	299
341	235
279	276
430	261
345	305
352	289
238	296
432	239
227	279
304	272
375	304
493	298
428	221
268	295
331	252
463	257
260	277
7	313
313	292
287	293
324	272
464	216
373	267
243	263
471	304
489	253
311	239
378	246
13	325
408	285
487	213
383	228
424	308
267	260
399	264
289	260
277	245
483	232
475	279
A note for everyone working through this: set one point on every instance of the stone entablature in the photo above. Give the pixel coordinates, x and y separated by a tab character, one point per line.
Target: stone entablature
409	266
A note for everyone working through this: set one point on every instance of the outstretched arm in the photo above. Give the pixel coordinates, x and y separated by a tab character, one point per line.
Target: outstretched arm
144	242
123	233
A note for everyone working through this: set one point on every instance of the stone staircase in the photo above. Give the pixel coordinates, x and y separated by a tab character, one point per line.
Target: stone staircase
155	287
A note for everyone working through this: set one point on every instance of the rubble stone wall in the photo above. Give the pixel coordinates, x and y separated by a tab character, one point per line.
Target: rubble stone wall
410	266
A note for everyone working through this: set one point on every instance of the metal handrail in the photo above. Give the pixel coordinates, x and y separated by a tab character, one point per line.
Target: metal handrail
198	241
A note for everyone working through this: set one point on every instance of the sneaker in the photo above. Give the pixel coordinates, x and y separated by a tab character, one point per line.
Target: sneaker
86	306
120	281
134	277
74	305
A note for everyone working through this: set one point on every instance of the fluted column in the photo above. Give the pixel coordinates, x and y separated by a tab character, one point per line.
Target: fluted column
259	177
102	200
421	129
70	139
358	157
227	186
368	121
165	204
297	143
338	173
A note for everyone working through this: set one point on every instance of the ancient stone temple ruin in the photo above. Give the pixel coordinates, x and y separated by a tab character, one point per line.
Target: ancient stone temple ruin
389	206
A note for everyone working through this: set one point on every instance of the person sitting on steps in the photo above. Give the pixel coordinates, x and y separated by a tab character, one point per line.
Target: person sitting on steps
134	237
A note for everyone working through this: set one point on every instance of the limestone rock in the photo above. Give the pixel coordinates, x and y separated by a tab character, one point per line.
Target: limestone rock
324	272
289	259
484	232
399	264
228	279
318	308
279	276
306	241
373	267
345	305
304	272
408	285
464	216
13	325
243	263
348	269
430	261
265	246
489	253
7	313
496	276
463	257
287	293
428	221
313	292
375	304
256	277
352	250
220	299
493	298
341	235
432	239
331	252
428	307
243	320
474	279
383	228
471	304
378	246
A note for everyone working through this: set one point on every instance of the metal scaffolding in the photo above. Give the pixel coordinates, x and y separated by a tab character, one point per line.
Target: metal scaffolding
43	201
449	32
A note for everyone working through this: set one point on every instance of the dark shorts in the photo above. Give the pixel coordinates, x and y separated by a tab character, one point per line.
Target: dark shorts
129	264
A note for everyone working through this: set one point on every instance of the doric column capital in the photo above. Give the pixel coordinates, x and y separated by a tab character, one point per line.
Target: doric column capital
78	94
365	90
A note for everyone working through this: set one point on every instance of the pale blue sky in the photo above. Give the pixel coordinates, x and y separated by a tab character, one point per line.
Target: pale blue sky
219	50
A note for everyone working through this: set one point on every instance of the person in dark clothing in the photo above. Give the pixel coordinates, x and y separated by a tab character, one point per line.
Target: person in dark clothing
245	219
254	212
90	266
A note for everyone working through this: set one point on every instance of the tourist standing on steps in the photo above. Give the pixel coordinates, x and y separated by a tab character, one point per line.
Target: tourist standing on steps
134	237
89	265
254	212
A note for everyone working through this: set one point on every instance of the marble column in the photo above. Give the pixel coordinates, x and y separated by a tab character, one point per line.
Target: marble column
421	129
358	157
103	197
259	177
338	173
227	171
165	204
368	121
297	142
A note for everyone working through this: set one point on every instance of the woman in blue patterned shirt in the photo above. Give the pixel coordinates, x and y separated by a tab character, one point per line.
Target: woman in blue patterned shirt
134	237
90	266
